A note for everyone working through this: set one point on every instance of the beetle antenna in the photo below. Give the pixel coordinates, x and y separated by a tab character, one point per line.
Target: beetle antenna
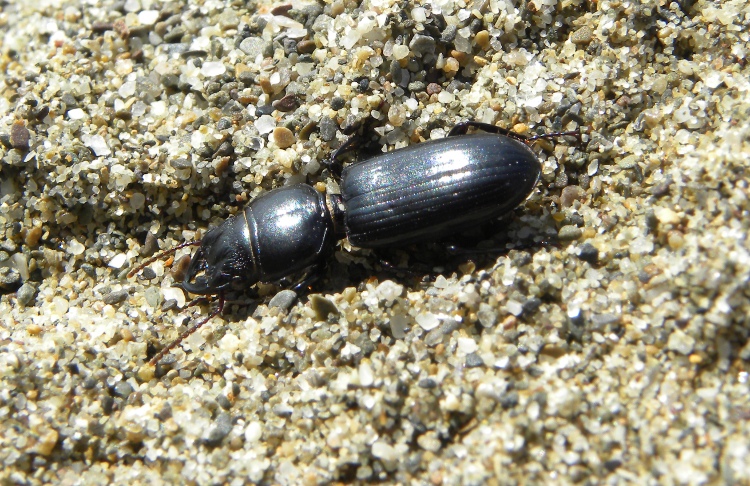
187	333
161	255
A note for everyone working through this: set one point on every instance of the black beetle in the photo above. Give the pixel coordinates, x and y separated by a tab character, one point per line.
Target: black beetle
416	194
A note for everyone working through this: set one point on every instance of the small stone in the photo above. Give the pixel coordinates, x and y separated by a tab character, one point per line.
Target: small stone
509	400
384	451
571	194
422	44
588	253
582	36
115	297
487	315
322	307
473	360
213	68
219	430
681	342
25	294
569	233
19	136
224	402
283	137
32	236
429	441
427	383
47	442
328	129
283	300
123	389
10	280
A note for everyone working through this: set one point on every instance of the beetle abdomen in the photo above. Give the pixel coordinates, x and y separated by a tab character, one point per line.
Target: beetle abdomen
435	188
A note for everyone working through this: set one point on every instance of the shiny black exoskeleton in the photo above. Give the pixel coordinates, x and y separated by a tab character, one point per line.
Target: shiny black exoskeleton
416	194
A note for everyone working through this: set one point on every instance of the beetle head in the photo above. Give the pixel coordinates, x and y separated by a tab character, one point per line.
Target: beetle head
224	258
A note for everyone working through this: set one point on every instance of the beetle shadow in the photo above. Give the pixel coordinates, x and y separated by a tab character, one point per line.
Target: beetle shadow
424	262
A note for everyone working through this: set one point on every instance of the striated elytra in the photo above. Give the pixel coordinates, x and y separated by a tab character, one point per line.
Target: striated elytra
417	194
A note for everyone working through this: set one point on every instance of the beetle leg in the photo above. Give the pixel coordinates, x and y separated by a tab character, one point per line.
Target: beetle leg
187	333
161	255
463	127
310	277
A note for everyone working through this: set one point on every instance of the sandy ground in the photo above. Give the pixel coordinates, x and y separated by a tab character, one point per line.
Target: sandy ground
617	352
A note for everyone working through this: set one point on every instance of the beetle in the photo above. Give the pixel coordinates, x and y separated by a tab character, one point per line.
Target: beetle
416	194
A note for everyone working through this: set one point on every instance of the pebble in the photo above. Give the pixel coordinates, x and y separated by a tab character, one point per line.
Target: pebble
283	137
19	136
582	36
26	294
10	280
219	430
284	299
115	297
569	233
122	389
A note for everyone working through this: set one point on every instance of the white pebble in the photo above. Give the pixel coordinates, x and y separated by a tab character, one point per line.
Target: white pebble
514	307
428	321
59	306
118	261
467	345
213	68
253	432
148	17
76	114
97	144
127	89
366	377
382	450
75	247
265	124
173	293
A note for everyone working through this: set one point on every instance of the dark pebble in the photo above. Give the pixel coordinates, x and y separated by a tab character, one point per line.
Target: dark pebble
322	307
427	383
612	464
116	297
588	253
148	273
165	413
26	294
89	383
286	104
10	280
283	300
219	430
306	46
473	360
19	136
123	389
531	305
509	400
337	103
422	44
88	269
328	129
263	110
232	107
223	402
181	164
170	81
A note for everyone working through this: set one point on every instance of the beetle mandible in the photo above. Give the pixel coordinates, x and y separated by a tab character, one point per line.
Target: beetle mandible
419	193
